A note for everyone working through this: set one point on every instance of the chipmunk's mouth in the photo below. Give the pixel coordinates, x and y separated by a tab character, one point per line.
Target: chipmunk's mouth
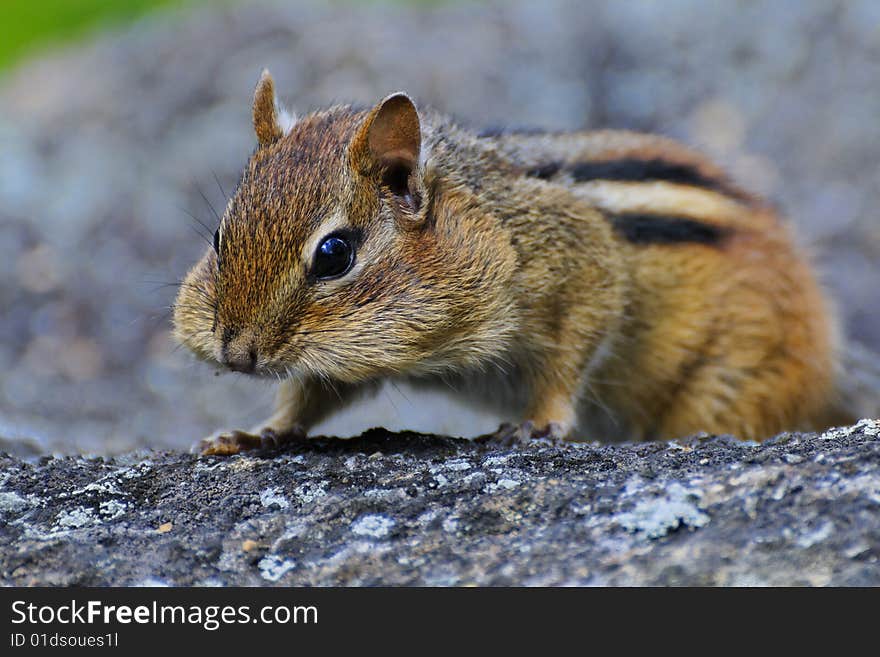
242	352
238	351
259	370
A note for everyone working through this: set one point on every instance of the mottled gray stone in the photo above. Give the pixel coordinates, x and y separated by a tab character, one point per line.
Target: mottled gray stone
402	509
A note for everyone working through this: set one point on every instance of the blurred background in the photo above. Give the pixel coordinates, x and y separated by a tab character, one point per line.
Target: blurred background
119	120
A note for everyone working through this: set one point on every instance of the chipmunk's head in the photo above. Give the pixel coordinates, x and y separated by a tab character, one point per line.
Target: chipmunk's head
327	261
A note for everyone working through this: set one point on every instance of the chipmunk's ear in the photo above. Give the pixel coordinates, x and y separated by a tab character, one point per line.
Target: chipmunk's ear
388	145
271	121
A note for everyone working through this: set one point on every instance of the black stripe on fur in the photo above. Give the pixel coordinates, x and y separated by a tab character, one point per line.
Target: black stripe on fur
639	228
636	170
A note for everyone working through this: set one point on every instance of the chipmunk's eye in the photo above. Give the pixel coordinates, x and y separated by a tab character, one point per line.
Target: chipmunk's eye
333	258
217	241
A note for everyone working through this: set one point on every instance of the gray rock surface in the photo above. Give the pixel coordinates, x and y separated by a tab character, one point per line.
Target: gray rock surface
105	146
411	509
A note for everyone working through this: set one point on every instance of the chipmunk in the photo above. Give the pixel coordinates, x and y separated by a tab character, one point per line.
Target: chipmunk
615	276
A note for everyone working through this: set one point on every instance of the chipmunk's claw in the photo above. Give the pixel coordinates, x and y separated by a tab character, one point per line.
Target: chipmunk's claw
234	442
510	435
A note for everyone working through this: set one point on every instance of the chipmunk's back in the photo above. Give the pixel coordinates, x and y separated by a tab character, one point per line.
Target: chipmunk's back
724	319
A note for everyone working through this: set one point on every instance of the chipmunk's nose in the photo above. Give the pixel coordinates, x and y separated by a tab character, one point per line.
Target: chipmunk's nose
238	351
244	362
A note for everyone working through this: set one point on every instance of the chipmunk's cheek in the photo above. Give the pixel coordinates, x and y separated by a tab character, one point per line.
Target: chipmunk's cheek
280	359
280	364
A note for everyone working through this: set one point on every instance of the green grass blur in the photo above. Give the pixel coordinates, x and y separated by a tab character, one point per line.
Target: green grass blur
27	26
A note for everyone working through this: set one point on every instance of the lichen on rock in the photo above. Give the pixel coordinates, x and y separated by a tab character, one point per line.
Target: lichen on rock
798	509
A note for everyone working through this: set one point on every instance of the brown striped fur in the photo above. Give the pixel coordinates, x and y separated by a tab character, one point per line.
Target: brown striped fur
520	262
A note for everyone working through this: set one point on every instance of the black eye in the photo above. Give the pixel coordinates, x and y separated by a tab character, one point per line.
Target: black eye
334	257
217	241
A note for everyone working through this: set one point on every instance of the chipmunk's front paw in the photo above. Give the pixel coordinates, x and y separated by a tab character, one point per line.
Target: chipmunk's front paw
509	435
229	443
